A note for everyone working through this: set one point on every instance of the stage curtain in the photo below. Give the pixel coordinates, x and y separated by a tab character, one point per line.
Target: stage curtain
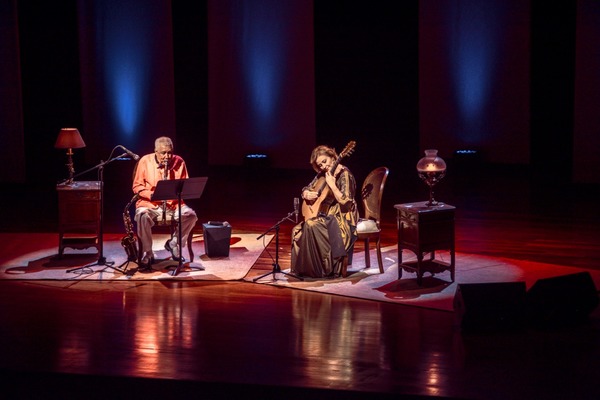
12	151
261	81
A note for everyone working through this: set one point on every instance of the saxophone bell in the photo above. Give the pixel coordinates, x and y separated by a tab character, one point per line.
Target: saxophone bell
129	241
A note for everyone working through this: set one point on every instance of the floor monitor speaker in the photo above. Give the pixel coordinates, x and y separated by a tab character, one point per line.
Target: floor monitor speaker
490	306
562	300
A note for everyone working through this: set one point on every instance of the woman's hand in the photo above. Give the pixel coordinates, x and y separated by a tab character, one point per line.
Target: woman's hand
310	195
330	179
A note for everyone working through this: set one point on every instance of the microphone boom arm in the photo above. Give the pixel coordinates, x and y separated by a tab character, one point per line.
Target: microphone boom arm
101	165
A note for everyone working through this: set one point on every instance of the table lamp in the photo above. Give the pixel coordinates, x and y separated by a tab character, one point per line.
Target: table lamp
431	169
69	138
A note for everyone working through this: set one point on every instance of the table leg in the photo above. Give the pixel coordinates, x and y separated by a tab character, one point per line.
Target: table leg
419	270
399	263
452	264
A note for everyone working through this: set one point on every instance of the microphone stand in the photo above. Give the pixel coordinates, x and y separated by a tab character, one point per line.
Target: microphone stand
101	259
276	267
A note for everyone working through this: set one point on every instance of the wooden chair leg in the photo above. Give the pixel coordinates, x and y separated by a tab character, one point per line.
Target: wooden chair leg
344	268
367	255
189	246
347	261
379	258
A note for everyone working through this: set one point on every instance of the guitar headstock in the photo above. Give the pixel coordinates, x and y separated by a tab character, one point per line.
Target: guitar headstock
348	149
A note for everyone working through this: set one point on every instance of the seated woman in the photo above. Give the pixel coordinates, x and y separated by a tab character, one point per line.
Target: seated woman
320	243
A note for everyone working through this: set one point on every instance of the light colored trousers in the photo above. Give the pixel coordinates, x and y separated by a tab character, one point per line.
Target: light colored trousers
146	218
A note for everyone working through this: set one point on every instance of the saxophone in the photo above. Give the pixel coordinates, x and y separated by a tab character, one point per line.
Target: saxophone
129	241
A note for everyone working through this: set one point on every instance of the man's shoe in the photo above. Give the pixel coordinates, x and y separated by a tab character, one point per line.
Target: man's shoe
146	261
174	250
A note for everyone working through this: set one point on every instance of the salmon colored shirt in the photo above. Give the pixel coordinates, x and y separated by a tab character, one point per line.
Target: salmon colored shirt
147	174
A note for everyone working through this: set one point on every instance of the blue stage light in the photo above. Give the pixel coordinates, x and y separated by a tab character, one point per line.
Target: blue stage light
126	52
476	46
264	55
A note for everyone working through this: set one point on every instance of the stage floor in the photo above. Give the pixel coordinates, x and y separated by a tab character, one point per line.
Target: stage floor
218	339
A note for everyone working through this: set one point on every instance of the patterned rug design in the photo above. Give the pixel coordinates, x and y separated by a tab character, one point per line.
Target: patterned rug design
436	291
38	259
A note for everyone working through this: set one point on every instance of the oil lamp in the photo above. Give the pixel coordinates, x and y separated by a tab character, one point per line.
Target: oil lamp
431	170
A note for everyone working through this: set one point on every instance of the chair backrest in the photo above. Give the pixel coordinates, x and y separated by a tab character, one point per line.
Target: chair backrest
372	192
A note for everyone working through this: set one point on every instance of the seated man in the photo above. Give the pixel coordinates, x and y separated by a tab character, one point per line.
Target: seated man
151	168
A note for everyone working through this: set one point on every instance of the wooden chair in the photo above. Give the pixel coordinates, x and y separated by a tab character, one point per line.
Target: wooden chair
369	226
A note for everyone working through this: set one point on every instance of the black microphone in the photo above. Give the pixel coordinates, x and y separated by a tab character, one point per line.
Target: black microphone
131	153
296	204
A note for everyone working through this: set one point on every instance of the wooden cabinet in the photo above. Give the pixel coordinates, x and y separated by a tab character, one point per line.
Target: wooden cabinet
78	215
424	229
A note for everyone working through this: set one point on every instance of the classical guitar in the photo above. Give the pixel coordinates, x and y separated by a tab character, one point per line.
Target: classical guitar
311	208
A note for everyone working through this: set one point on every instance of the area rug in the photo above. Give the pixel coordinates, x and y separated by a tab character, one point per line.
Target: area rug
38	259
436	292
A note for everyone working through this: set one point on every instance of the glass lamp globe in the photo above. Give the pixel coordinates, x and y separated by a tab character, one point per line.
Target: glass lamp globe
431	170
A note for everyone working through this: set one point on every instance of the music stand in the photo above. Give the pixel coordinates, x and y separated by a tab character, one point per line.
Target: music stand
179	189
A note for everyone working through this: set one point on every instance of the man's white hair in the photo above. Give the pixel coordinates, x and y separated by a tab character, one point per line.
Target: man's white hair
163	141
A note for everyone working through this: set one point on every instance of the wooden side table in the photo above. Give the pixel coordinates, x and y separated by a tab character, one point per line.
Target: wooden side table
425	229
78	215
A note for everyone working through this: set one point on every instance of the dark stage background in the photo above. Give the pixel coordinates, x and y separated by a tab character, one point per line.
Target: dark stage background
517	81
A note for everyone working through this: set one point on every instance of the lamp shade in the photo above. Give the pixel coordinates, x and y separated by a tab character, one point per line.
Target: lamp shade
431	162
69	138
